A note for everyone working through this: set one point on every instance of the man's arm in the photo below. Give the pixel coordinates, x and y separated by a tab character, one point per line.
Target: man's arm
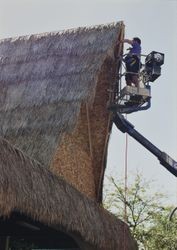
127	41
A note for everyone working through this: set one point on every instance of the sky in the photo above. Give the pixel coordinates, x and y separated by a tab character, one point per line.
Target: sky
154	21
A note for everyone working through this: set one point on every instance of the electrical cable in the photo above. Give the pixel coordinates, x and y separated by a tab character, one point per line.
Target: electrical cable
125	187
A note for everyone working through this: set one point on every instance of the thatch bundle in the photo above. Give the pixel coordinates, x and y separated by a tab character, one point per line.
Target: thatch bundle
53	99
29	188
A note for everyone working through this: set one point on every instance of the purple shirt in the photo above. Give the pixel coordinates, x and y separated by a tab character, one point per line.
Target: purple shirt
136	49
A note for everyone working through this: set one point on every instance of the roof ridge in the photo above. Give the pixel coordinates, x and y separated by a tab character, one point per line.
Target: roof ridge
63	31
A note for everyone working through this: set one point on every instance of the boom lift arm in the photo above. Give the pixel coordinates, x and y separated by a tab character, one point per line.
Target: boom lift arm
126	127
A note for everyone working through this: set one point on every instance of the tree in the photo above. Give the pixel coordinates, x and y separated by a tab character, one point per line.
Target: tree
163	233
145	215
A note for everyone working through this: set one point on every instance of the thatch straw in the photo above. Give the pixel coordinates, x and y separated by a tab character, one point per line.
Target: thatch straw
43	81
79	158
28	188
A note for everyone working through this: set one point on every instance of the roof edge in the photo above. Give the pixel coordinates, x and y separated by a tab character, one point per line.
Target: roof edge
29	188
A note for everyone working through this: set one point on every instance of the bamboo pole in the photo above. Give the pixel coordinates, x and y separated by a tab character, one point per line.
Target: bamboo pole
89	132
111	98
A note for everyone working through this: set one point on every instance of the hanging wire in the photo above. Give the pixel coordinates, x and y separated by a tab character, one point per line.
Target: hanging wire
125	187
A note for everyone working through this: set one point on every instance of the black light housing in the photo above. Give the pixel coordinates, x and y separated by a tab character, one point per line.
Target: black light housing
154	58
153	61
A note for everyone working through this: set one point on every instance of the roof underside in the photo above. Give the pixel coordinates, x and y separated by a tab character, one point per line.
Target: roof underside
44	80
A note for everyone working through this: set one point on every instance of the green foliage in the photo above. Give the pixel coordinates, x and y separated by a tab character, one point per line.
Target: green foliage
163	232
144	213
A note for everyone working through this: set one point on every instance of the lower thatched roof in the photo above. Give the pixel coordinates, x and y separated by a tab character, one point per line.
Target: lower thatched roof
29	188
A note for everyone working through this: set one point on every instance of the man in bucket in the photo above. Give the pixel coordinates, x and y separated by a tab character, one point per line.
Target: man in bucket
132	61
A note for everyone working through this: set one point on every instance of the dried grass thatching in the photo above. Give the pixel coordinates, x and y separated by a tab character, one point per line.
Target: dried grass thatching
53	99
28	188
44	80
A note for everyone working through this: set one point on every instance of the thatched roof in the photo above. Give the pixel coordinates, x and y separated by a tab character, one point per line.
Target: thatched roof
54	96
44	80
29	188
